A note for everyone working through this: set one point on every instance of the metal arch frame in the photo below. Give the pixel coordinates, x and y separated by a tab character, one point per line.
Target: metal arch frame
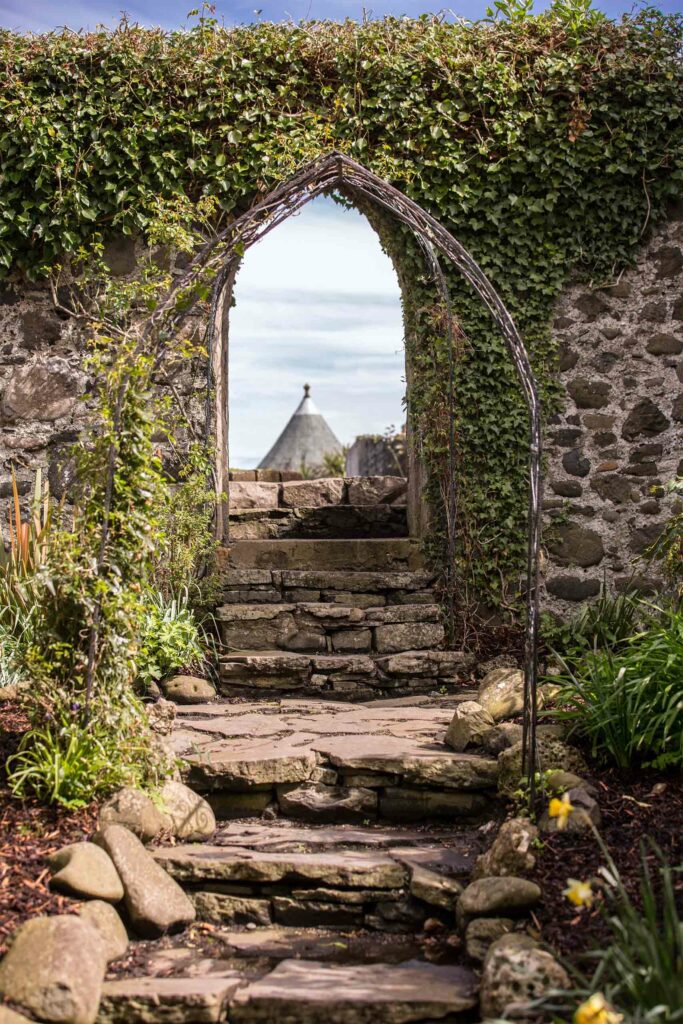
221	256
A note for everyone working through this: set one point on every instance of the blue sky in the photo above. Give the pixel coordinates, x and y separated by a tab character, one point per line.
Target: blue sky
317	302
42	15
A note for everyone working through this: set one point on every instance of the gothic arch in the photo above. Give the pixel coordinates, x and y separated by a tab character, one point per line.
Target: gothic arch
219	260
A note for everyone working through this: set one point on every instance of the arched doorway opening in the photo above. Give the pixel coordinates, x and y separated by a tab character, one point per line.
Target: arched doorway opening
318	306
218	262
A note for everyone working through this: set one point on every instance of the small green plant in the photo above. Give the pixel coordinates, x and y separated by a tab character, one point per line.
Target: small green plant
170	638
334	463
626	700
603	625
71	765
668	548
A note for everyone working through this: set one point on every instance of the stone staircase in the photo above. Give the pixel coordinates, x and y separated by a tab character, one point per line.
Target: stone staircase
340	619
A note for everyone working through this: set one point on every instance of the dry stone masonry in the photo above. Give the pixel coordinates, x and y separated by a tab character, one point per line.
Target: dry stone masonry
619	438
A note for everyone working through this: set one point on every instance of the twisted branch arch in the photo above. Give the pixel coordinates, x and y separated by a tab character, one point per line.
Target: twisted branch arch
221	257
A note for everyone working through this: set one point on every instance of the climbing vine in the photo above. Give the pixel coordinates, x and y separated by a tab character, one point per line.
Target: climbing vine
548	145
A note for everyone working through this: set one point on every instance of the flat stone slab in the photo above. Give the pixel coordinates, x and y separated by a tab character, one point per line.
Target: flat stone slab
197	863
168	1000
420	763
258	762
272	836
309	991
282	943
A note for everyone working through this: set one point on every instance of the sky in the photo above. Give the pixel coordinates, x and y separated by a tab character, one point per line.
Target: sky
43	15
318	303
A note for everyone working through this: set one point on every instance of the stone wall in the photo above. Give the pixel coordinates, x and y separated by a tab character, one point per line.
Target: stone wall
609	452
619	438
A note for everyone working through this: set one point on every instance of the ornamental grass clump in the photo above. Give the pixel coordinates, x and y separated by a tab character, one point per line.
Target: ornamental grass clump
626	700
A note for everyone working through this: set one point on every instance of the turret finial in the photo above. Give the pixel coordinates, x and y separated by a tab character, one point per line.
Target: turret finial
307	390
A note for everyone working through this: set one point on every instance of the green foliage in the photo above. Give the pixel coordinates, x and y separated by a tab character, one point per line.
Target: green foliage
626	700
170	638
547	144
668	548
335	462
605	623
183	557
639	969
69	764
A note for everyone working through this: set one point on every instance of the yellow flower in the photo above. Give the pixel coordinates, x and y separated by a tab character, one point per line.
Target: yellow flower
560	809
596	1010
579	893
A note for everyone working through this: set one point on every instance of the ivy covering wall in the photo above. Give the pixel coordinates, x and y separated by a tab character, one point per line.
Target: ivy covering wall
549	146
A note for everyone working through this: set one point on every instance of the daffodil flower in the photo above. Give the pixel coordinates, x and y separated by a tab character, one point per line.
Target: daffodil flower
579	893
560	809
596	1010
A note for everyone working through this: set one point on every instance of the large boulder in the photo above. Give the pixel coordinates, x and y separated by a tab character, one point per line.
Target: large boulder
54	970
482	931
516	973
470	720
84	870
511	850
188	690
191	816
137	811
155	903
501	693
106	921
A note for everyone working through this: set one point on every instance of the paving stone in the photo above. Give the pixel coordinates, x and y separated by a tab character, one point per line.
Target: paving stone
281	943
403	613
305	914
412	636
374	490
352	554
216	863
421	763
240	765
357	581
405	804
313	493
308	991
317	802
447	664
434	888
223	908
253	494
168	1000
270	836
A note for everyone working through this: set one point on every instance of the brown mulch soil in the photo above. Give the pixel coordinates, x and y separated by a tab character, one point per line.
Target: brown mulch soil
29	831
634	810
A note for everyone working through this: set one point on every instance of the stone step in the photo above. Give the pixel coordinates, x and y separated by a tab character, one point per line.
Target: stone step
326	627
372	878
347	676
295	990
320	555
307	992
358	589
328	762
329	522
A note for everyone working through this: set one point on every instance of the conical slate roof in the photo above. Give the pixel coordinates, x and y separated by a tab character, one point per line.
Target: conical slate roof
305	440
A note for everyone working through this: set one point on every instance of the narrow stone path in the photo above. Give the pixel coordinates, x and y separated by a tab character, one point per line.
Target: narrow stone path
346	827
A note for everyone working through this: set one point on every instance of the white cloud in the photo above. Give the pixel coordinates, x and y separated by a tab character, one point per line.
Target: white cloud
317	302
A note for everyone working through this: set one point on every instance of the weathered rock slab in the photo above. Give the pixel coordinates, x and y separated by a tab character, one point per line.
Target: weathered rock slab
317	802
196	1000
308	991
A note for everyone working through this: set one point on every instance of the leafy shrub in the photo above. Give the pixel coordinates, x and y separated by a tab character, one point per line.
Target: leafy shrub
72	765
606	623
626	699
170	638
